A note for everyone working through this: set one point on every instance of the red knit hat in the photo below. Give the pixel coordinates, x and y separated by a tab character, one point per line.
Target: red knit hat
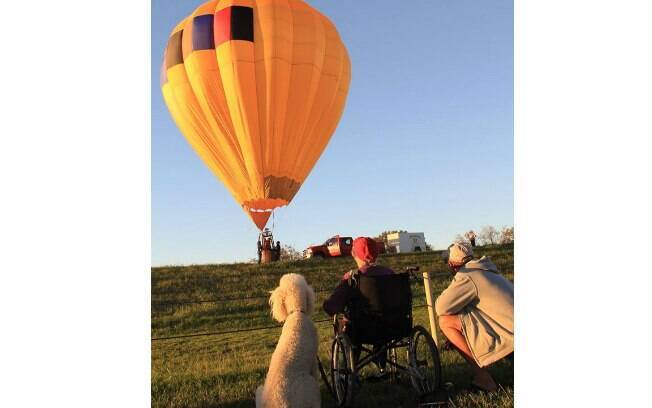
365	248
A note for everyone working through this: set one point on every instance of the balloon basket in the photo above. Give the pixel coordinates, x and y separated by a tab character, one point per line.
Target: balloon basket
268	256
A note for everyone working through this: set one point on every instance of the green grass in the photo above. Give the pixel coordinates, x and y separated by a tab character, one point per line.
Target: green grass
224	370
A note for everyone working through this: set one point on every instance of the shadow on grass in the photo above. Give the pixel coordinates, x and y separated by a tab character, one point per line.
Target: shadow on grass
217	390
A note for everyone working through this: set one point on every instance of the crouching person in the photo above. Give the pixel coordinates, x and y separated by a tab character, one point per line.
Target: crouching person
476	312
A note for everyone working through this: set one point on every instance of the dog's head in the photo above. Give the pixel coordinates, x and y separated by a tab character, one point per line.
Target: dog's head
292	295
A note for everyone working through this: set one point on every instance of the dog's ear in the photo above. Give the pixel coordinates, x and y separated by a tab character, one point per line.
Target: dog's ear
310	300
277	303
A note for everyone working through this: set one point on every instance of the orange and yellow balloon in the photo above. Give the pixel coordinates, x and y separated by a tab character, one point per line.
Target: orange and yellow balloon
257	87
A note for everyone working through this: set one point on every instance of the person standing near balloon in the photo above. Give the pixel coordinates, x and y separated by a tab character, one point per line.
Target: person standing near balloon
277	249
471	237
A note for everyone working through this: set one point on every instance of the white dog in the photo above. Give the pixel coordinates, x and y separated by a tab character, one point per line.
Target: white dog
292	379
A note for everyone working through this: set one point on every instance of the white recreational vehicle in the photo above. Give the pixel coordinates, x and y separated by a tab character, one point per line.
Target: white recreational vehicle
404	242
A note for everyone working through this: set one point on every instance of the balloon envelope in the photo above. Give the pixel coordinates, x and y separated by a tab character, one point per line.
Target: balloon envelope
257	87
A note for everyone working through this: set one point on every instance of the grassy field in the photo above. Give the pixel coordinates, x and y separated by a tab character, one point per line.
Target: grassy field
223	370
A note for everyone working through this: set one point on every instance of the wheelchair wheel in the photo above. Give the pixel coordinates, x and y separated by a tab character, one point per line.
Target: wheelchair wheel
424	363
342	370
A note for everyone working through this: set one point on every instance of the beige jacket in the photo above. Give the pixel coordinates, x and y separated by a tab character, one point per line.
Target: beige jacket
485	301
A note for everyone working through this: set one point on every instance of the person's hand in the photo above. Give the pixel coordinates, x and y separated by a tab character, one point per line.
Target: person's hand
340	325
343	323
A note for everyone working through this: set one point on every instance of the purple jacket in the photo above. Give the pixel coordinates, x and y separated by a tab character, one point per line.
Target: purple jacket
344	291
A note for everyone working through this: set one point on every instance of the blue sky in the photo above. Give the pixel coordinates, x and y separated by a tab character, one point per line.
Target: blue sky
425	143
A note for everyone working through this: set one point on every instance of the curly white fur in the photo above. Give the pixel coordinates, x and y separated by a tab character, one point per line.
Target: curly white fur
292	379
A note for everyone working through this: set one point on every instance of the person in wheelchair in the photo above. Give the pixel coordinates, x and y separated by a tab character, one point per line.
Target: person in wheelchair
476	312
364	253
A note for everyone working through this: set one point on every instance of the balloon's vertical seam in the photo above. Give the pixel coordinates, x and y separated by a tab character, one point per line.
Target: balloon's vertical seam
307	141
196	125
282	117
308	102
287	135
232	136
262	152
307	157
263	125
220	129
216	148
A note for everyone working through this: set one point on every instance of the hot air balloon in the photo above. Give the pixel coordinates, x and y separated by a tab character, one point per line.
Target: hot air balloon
257	87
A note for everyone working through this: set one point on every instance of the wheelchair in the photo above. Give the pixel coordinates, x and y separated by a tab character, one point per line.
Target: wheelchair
380	316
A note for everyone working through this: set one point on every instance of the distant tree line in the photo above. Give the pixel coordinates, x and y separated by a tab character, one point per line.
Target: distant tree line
489	235
289	253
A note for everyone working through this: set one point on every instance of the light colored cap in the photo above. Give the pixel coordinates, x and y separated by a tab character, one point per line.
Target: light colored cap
459	252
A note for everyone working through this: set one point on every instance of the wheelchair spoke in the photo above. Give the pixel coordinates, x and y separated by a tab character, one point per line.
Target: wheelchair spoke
342	370
425	367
